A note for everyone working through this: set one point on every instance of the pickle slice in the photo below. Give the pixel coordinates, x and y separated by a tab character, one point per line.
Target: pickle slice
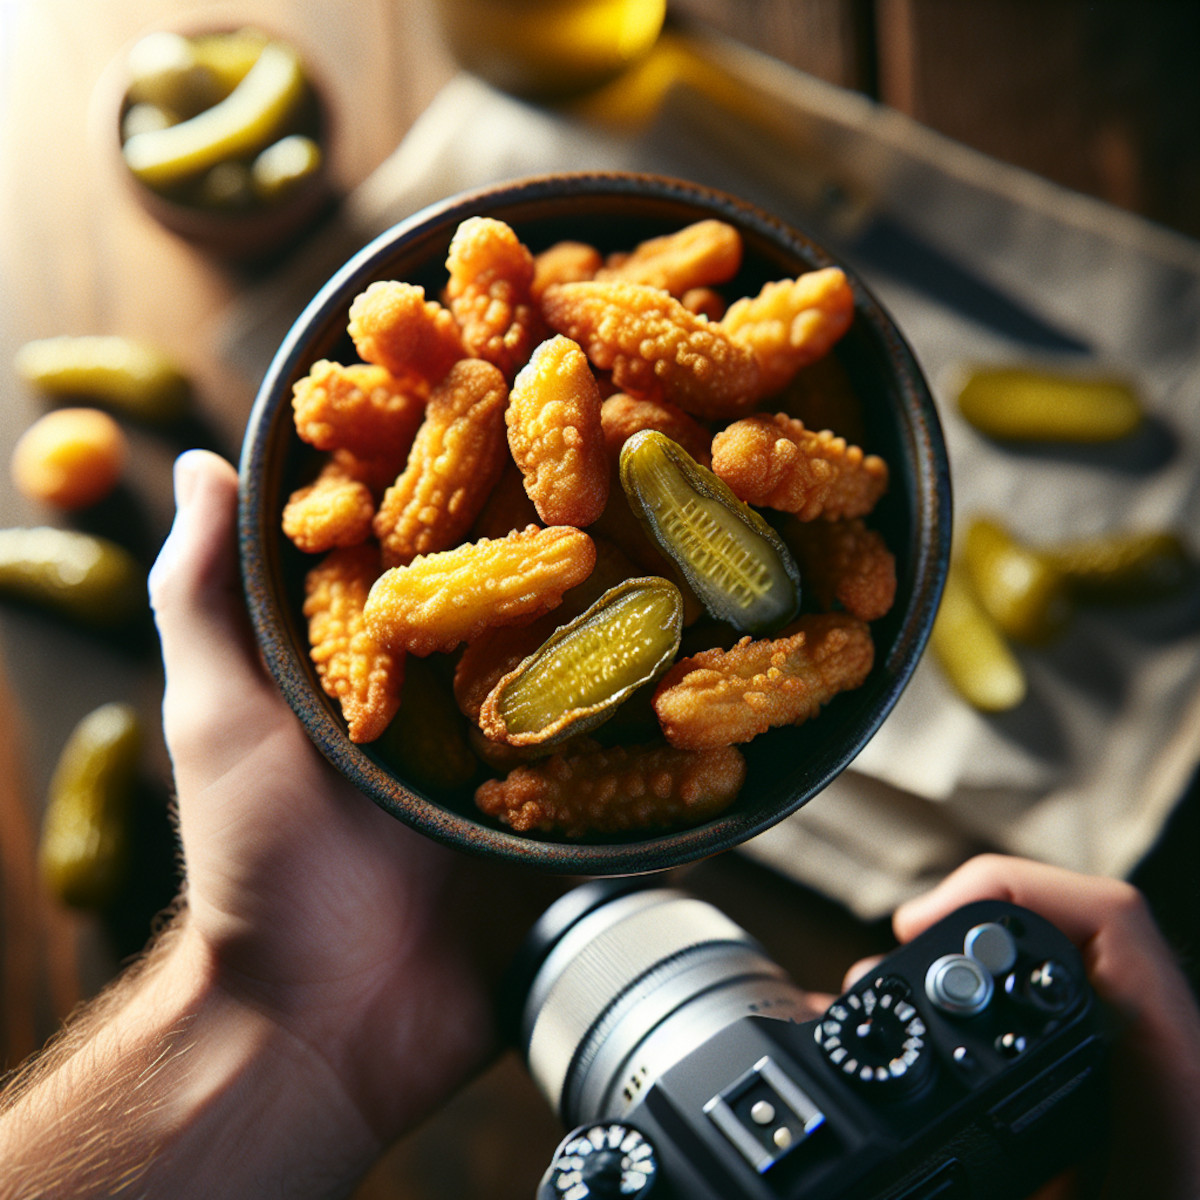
1021	404
972	651
1022	590
579	676
737	565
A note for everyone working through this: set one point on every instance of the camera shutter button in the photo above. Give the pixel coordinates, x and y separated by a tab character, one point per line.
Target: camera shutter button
958	985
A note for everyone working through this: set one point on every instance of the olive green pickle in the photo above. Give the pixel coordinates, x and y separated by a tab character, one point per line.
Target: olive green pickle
84	851
79	575
1124	567
587	668
737	565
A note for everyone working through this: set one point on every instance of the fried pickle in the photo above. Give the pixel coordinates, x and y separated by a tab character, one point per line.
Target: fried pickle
455	461
844	562
776	462
362	408
622	416
791	323
489	292
722	697
564	262
699	255
617	790
654	347
555	435
394	326
354	669
336	509
440	600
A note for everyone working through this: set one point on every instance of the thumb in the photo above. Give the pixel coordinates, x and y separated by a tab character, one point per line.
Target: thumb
213	674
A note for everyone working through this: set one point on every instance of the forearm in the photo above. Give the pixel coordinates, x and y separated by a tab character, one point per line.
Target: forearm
170	1087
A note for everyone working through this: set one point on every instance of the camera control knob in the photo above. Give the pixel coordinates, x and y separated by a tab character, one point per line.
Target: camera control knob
598	1162
992	946
1048	986
875	1036
959	985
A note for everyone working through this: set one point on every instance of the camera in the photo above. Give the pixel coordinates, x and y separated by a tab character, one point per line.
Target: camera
969	1062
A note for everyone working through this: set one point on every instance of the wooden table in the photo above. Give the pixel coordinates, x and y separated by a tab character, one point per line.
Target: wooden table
78	256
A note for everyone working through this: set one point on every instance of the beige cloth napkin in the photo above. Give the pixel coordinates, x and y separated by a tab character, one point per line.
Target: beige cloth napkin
978	263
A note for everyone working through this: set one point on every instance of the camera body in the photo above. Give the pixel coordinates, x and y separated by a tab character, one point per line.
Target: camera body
970	1062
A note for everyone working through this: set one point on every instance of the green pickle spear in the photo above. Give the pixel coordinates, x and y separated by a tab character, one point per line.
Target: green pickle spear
1023	591
249	118
87	578
580	675
84	849
1023	404
1124	567
736	564
971	650
124	374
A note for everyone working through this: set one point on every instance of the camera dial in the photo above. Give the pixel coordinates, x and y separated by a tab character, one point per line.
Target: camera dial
597	1162
875	1037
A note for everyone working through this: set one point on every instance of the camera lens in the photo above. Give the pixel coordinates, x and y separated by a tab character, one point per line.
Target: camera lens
621	984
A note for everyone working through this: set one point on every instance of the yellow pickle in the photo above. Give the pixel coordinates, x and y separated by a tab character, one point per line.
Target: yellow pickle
1022	590
581	674
87	578
737	565
1024	404
971	650
127	375
84	849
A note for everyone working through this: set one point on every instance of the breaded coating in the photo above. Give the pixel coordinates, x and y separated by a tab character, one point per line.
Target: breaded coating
394	326
722	697
438	601
844	562
456	458
791	323
487	659
617	790
776	462
362	676
622	416
564	262
362	408
507	507
555	435
334	510
699	255
491	274
654	347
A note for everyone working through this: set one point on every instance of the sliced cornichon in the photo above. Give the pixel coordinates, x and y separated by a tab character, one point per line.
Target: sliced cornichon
582	673
737	565
249	118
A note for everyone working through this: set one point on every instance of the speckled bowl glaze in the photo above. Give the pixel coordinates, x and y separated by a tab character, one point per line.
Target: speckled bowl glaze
786	767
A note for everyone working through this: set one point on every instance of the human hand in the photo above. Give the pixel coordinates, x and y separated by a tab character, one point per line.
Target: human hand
315	907
1155	1135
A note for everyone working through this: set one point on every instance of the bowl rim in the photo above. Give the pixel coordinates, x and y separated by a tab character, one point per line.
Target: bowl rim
931	534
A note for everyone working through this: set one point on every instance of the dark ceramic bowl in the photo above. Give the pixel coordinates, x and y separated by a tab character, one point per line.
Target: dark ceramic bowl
786	767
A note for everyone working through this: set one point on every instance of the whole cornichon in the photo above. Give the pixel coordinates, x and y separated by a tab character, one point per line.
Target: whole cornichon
84	852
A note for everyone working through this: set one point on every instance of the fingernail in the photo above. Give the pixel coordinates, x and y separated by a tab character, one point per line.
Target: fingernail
186	475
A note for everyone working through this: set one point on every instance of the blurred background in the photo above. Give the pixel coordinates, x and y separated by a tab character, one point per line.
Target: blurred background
1099	98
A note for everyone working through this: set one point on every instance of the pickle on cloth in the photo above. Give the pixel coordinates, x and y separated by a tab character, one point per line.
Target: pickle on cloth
87	578
737	565
84	852
580	675
1024	404
1124	567
971	650
1022	590
248	119
127	375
